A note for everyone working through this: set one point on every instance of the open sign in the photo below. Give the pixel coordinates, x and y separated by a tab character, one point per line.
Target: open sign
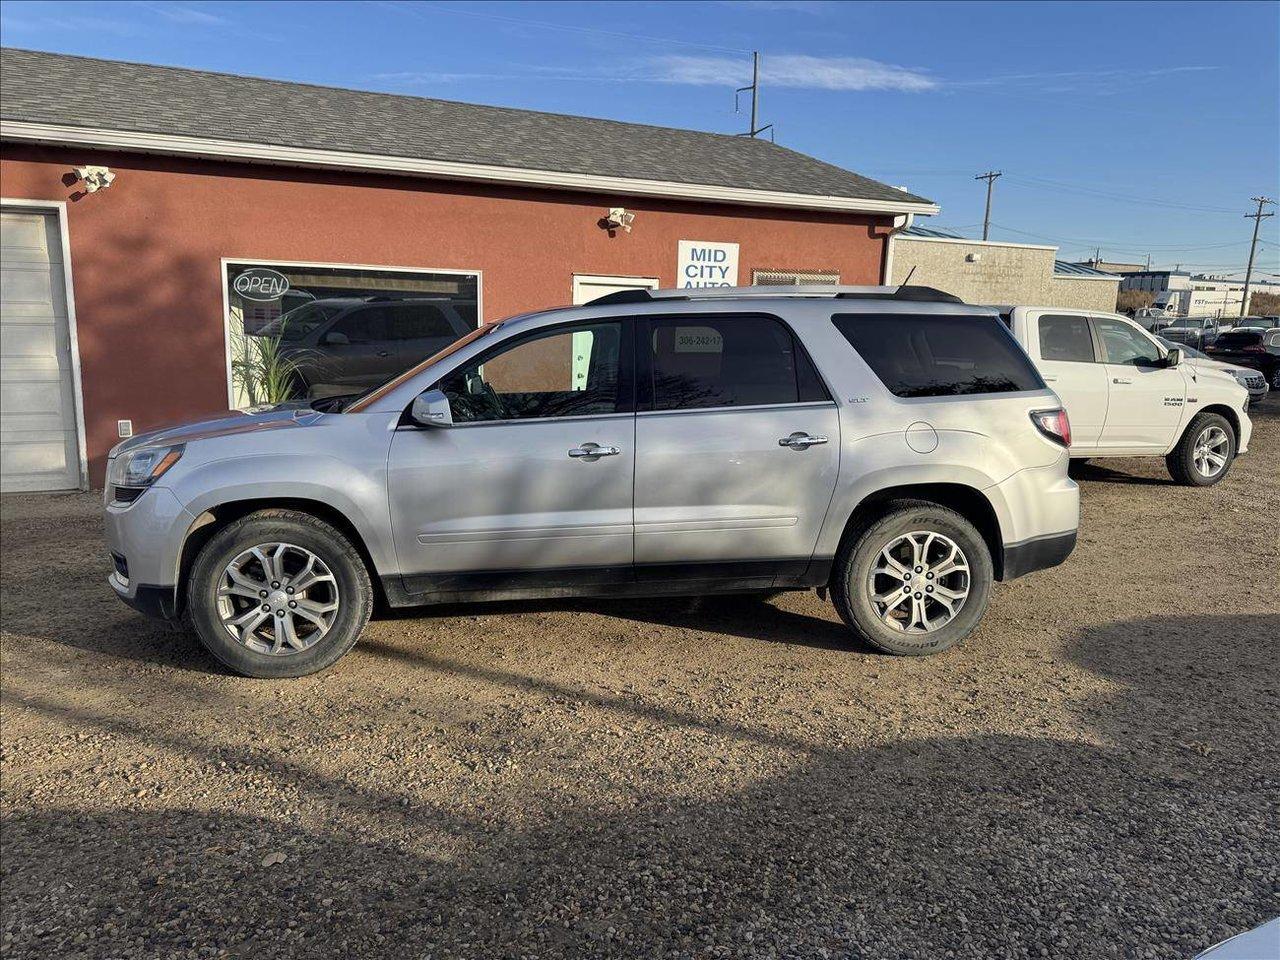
261	283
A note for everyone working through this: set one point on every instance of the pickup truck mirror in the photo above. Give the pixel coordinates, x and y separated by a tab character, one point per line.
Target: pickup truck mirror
1173	357
431	409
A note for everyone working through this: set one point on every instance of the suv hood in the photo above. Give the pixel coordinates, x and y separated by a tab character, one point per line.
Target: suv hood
295	413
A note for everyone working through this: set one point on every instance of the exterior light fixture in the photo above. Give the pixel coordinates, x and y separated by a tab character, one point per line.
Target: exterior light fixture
95	178
619	218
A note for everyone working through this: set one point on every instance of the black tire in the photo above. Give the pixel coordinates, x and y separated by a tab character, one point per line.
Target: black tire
1181	461
860	551
354	592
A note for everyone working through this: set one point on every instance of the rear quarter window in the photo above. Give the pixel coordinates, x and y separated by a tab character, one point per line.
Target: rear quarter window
939	355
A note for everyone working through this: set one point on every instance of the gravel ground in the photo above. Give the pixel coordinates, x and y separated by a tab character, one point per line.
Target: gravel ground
1095	773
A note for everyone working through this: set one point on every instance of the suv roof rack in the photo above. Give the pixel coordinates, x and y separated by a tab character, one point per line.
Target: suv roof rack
834	291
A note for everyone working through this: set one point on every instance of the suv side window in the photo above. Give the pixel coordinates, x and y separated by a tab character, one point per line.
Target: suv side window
697	362
939	355
1121	343
565	372
419	321
1065	338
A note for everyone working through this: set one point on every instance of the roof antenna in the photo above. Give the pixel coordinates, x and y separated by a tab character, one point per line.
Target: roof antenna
755	100
910	273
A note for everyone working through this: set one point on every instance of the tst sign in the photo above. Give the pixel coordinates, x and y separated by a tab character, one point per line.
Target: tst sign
703	263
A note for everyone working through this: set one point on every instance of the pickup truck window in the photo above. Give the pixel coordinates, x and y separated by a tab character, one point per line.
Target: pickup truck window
1065	338
1121	343
938	355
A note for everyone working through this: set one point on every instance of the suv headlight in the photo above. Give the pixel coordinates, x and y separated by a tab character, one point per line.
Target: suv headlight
144	466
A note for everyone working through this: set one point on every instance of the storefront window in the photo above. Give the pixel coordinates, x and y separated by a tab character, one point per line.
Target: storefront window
301	332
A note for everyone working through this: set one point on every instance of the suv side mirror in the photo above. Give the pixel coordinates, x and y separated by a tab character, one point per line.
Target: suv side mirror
431	409
1173	357
335	339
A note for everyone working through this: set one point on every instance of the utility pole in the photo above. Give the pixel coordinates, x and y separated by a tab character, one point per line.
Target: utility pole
990	176
755	99
1257	219
1148	263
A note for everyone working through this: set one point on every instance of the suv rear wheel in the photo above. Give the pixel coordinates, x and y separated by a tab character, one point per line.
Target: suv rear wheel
278	593
915	581
1204	454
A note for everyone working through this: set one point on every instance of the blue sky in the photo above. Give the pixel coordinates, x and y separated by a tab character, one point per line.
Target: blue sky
1138	128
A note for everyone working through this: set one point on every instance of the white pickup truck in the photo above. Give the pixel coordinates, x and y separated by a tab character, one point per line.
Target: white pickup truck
1127	395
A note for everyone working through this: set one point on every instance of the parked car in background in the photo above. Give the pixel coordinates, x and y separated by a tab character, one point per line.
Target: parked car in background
1252	380
1257	323
1152	322
1250	347
1193	331
1130	396
340	344
891	445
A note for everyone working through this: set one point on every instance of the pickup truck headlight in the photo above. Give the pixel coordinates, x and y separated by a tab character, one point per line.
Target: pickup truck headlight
144	466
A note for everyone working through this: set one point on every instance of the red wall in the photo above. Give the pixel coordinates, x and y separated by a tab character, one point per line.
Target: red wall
146	253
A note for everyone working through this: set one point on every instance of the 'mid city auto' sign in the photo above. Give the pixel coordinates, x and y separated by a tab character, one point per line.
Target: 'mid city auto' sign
704	263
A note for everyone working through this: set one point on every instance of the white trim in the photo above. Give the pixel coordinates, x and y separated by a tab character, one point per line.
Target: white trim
446	169
64	235
977	243
224	262
633	283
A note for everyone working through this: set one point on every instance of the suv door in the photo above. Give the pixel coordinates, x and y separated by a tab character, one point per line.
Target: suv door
737	449
532	485
1144	406
1068	359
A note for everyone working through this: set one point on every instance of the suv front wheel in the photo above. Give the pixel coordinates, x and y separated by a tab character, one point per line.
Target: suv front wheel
915	581
278	593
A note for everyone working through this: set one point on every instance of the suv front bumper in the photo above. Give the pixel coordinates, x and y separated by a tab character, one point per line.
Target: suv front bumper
145	538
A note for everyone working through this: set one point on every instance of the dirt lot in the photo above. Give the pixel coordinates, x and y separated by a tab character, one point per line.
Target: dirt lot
1095	773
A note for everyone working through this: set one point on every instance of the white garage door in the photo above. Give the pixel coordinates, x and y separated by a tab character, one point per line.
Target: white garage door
39	446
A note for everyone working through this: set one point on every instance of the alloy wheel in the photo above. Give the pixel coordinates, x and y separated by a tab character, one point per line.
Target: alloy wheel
919	582
1212	448
277	598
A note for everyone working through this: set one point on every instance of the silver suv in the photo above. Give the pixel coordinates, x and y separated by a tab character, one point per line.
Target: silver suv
889	445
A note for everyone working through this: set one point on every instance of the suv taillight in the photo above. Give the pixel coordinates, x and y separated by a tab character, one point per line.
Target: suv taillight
1053	424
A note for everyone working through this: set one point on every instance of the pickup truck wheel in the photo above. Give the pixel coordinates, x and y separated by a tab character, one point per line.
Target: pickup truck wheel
278	593
1204	454
915	581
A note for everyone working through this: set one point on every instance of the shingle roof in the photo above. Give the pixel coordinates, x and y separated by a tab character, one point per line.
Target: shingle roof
107	94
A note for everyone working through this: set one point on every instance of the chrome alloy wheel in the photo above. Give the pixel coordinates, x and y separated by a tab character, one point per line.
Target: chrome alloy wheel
1211	450
919	582
277	598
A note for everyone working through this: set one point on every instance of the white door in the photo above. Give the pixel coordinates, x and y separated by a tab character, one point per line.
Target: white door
1144	406
39	445
1065	355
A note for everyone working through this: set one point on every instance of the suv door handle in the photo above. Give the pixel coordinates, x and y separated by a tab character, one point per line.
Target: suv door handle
590	451
1120	380
801	441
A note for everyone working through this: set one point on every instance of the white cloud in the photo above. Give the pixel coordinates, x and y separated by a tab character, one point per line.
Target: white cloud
186	14
794	70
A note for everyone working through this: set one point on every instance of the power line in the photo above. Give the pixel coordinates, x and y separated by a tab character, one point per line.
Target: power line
1046	183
